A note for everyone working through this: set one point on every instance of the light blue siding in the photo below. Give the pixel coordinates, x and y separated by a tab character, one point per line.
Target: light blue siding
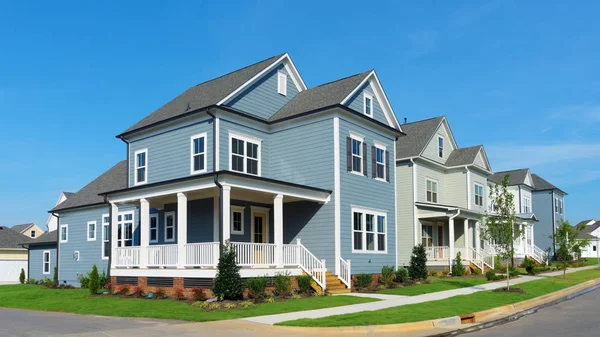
356	103
169	151
36	258
262	99
200	225
247	237
366	192
227	127
543	207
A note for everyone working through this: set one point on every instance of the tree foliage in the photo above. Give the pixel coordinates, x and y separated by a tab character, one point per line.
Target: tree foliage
22	276
458	269
569	245
417	269
228	283
94	280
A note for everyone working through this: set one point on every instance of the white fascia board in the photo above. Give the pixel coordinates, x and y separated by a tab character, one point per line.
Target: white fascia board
274	188
157	191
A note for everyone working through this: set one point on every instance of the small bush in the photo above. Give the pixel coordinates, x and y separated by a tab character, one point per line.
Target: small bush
270	299
109	287
229	305
256	287
387	275
304	283
247	304
124	290
94	283
84	281
179	295
228	283
22	276
283	284
402	275
364	281
498	266
458	269
138	292
31	281
296	296
476	271
529	266
417	269
199	294
103	279
55	276
201	305
490	275
160	294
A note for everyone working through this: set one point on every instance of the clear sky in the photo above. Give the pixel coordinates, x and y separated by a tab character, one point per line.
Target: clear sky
522	79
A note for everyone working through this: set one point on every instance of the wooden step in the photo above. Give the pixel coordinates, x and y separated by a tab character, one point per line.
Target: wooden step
338	291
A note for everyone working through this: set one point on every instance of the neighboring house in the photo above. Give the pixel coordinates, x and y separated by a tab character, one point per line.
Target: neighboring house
521	186
549	204
30	230
52	222
13	257
591	231
297	178
441	195
42	256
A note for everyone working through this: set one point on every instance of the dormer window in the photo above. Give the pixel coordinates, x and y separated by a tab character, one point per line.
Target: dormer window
282	83
440	147
368	105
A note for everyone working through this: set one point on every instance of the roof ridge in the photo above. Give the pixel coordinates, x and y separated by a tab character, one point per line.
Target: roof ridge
340	79
424	120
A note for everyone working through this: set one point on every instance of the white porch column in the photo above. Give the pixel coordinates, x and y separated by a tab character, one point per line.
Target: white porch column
114	238
477	239
522	249
466	237
278	229
144	231
226	212
451	238
181	228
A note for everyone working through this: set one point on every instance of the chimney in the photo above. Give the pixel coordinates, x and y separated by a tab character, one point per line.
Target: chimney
405	120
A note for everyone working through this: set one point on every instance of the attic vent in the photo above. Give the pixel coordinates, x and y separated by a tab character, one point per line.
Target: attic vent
282	83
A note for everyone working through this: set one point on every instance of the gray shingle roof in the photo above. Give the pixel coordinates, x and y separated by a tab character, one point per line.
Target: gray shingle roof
542	184
516	177
21	228
586	233
46	238
322	96
584	222
113	179
68	194
12	239
204	94
463	156
417	136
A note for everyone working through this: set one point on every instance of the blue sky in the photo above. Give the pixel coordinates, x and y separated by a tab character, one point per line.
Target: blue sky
522	79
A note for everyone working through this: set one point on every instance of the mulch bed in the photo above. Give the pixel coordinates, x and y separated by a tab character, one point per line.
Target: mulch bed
511	290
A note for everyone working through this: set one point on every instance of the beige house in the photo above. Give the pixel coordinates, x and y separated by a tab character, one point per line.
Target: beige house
13	257
30	230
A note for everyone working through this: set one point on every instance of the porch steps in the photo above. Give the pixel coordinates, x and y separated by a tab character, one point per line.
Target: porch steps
334	285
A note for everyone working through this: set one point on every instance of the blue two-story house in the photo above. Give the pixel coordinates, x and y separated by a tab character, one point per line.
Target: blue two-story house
297	179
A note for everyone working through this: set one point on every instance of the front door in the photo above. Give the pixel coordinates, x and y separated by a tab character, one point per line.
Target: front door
440	235
259	235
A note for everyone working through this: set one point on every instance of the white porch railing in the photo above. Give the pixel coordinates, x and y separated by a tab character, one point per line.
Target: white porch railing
539	254
254	254
162	255
127	257
290	255
476	259
464	253
312	266
204	254
488	258
437	253
345	272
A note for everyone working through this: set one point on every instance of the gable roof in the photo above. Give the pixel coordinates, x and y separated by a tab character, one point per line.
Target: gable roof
204	94
463	156
45	239
586	222
417	137
12	239
113	179
22	228
586	232
542	184
516	177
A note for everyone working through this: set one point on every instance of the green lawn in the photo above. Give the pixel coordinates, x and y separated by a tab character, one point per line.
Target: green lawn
437	284
458	305
79	301
591	261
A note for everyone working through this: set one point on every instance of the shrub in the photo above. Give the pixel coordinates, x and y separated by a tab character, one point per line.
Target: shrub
160	294
490	275
55	276
296	296
109	287
199	294
138	292
530	266
228	283
124	290
94	283
270	299
102	279
247	304
513	272
498	266
201	305
179	295
256	287
84	281
304	283
364	281
402	275
229	305
458	269
22	276
387	275
283	284
476	271
417	268
31	281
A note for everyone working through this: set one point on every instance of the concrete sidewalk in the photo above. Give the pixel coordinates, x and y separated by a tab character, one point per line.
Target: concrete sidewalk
396	301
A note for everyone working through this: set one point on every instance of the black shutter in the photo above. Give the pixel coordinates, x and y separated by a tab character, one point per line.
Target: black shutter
365	159
349	153
387	166
374	161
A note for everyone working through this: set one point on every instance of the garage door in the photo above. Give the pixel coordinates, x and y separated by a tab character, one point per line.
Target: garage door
10	270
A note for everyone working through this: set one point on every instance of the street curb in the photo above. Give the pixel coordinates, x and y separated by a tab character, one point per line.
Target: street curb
453	323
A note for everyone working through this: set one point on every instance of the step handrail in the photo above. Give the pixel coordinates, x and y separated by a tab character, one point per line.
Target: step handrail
311	265
345	272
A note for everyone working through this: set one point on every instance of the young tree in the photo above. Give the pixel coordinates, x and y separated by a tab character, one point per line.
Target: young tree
228	283
417	269
22	276
94	283
498	226
55	276
569	245
458	269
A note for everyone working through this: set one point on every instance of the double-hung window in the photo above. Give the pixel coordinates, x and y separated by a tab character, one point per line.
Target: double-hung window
46	262
440	147
368	231
555	205
105	236
153	228
125	229
170	227
91	231
356	153
561	207
245	154
427	235
237	220
64	233
368	104
478	195
198	153
141	167
526	205
282	83
432	191
379	161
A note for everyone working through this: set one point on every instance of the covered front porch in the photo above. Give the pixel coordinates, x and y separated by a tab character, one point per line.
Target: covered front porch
175	230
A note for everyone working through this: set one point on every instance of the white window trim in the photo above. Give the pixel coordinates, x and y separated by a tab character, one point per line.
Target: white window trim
253	140
361	139
380	146
32	233
44	262
527	204
239	209
482	194
192	138
174	226
437	190
66	227
261	210
364	212
281	83
88	230
106	215
135	167
155	216
122	223
438	146
561	209
369	96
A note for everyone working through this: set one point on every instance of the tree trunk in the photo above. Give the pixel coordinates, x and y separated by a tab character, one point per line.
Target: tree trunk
507	278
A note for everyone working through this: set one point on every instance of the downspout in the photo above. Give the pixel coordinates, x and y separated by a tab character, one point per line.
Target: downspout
468	187
110	231
216	170
553	225
414	182
57	247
